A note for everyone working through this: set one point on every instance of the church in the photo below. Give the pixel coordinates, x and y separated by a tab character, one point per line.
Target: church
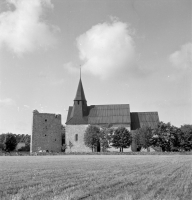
47	128
80	116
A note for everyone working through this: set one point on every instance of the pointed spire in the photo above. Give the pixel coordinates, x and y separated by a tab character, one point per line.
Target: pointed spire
79	112
80	96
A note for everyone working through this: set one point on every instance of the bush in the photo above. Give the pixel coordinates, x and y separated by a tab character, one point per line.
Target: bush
10	142
26	148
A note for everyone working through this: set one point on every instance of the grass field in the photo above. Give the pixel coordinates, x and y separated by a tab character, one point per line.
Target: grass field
148	177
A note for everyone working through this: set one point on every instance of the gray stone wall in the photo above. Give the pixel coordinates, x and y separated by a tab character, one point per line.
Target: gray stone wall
72	145
46	132
79	146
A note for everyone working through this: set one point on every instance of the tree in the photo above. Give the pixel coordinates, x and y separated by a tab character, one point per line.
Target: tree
2	146
92	137
135	145
186	128
145	135
2	137
121	138
64	146
185	137
166	136
10	142
105	137
63	134
27	141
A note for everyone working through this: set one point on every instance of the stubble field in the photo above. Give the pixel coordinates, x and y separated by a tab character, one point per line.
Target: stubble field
149	177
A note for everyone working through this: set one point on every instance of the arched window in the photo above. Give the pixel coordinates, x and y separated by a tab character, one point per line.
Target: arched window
76	137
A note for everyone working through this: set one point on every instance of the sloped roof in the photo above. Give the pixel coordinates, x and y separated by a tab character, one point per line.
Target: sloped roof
140	119
69	113
80	92
106	114
75	119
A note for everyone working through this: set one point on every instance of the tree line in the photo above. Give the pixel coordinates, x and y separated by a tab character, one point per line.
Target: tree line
9	141
165	137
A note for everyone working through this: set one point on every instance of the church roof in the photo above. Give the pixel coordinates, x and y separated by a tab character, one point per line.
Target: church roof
109	114
80	92
105	114
140	119
115	114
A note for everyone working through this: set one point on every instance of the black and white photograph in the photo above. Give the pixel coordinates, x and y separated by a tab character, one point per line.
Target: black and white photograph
96	99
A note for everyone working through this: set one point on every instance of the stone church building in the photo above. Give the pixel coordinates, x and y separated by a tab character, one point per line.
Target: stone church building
80	116
47	128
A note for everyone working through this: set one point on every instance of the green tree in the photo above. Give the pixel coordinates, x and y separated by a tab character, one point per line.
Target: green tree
10	142
92	137
121	138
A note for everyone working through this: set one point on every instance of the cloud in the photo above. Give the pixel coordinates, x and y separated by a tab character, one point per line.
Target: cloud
7	102
106	49
22	28
182	59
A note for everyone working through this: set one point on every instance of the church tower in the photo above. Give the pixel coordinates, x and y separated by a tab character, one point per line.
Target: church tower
79	110
77	122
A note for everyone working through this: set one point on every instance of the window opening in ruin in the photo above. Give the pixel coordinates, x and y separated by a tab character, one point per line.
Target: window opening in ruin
45	120
55	139
76	137
45	135
78	102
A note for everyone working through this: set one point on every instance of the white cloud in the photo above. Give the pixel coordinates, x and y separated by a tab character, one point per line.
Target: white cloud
7	102
106	49
22	28
183	58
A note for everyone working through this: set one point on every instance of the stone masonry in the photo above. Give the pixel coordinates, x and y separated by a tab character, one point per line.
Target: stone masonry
46	132
74	139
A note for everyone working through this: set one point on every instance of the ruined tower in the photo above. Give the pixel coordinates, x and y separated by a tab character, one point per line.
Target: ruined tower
46	132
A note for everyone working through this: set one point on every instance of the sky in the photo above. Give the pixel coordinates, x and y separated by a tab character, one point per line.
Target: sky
136	52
